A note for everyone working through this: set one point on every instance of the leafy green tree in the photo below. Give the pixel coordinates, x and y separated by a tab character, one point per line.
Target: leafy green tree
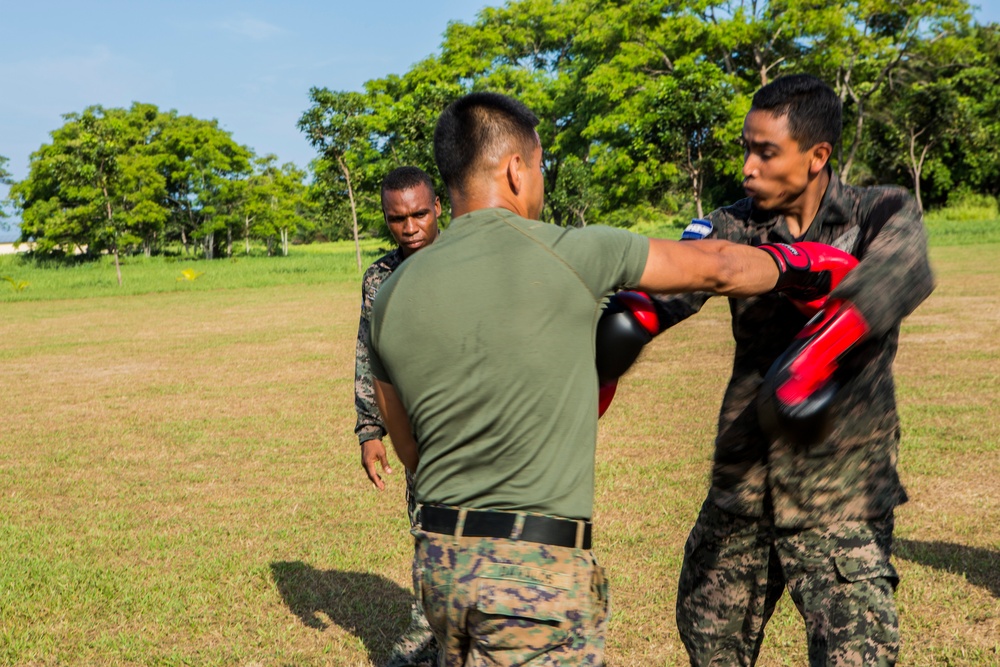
96	186
337	125
860	46
638	100
198	159
667	109
575	193
976	163
5	179
275	202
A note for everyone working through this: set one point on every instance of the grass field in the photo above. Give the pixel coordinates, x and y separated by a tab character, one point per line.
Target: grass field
179	484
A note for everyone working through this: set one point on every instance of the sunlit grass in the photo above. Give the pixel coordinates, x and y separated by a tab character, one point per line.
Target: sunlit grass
180	484
307	264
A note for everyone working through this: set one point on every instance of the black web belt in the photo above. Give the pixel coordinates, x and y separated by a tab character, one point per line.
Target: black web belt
555	532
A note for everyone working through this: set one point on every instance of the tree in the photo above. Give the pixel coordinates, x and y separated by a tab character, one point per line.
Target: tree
95	186
927	107
575	192
275	202
861	45
337	125
198	159
5	179
667	109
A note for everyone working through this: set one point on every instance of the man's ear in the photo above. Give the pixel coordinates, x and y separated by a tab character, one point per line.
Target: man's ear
514	180
437	207
819	157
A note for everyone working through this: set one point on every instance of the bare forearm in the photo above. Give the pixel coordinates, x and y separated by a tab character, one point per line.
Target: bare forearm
711	266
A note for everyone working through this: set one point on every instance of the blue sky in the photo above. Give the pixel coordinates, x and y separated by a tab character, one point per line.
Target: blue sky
247	63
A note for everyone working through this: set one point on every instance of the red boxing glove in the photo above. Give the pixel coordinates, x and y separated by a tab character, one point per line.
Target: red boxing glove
798	390
807	271
627	324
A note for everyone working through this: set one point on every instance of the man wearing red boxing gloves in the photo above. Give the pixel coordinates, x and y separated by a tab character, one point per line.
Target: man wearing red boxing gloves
804	479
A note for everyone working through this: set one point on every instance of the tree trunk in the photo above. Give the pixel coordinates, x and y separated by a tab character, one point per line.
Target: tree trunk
917	165
107	204
845	167
284	241
354	210
118	266
696	183
246	235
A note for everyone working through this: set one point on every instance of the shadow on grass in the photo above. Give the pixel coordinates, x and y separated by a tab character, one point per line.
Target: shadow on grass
981	567
371	607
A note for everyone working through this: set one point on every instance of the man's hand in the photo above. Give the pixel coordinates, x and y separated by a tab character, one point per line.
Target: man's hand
808	270
372	452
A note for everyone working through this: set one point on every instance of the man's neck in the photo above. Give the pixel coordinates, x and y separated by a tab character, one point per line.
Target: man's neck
800	215
462	203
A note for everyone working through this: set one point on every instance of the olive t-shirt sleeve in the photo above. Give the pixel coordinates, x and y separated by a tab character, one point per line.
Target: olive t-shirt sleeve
606	258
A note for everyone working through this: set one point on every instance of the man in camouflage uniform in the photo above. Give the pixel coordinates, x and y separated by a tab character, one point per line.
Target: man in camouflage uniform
815	519
411	211
483	350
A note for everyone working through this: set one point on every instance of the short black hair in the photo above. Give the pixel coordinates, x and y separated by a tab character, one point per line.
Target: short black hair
477	128
813	109
404	178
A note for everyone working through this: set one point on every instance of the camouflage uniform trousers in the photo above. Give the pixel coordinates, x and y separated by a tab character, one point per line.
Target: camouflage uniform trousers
417	647
496	602
838	575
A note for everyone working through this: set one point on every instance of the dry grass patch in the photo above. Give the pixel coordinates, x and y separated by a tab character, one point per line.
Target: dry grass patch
179	483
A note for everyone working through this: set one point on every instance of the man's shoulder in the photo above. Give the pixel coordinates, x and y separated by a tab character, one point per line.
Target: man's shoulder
876	204
737	220
878	194
738	211
383	267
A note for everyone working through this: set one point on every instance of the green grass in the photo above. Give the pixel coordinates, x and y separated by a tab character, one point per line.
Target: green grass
308	264
24	279
180	485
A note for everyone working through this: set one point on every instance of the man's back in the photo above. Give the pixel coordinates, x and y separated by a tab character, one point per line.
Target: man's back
495	360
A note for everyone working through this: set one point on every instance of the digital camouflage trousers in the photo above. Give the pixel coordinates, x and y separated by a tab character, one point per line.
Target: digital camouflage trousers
493	601
839	577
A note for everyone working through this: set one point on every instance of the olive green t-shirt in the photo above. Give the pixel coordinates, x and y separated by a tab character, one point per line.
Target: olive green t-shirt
488	338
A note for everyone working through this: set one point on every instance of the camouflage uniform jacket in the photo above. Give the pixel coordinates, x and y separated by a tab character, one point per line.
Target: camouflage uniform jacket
852	474
370	425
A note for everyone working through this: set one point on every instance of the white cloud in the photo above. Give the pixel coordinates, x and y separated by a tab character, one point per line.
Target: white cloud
247	26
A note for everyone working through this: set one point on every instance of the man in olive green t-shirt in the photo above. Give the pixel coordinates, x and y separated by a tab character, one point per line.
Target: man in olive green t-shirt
483	354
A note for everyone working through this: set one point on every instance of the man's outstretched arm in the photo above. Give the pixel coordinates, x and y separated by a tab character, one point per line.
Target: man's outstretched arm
800	270
707	266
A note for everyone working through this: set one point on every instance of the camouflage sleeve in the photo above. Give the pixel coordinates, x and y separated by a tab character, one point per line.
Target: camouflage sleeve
893	275
369	425
676	308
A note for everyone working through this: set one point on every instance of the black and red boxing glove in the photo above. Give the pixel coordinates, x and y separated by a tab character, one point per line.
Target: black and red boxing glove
627	324
844	265
798	390
807	271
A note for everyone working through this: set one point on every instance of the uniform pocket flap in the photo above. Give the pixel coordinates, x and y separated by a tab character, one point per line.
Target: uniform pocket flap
856	568
524	592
